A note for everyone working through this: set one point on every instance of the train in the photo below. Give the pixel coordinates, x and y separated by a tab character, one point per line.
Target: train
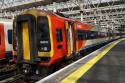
5	39
43	39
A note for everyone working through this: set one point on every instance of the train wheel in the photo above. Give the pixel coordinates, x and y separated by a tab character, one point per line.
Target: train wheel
24	69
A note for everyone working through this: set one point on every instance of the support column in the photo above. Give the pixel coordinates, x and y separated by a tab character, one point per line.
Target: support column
54	7
81	13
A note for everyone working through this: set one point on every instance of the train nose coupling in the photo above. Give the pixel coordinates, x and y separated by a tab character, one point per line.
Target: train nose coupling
27	68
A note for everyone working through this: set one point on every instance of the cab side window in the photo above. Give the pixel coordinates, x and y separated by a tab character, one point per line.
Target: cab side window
82	34
9	36
59	36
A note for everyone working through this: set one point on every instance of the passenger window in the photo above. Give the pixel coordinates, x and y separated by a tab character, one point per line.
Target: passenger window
9	36
59	37
92	35
82	34
88	35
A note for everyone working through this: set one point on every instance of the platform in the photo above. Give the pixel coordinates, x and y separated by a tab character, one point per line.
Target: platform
110	69
105	65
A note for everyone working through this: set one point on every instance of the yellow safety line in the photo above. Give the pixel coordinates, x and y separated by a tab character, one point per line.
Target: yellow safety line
72	78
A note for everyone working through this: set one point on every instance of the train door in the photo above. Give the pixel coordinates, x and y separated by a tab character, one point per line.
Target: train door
70	38
2	42
26	38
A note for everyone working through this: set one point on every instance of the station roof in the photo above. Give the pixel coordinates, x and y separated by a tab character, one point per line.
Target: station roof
111	11
32	4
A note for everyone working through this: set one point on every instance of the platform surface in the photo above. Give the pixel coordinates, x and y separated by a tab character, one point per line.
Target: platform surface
110	69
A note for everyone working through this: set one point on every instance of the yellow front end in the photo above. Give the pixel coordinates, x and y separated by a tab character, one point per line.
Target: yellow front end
26	47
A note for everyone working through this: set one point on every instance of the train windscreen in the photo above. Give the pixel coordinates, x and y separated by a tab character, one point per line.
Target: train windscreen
43	34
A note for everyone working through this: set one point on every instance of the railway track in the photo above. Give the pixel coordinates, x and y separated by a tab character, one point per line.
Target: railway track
13	79
8	73
7	70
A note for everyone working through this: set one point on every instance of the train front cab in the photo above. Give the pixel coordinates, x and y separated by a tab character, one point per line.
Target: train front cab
31	41
38	40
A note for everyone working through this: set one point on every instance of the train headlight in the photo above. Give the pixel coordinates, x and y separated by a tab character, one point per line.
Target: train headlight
45	48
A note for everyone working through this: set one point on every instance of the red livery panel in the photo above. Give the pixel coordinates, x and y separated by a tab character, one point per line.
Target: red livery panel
2	42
